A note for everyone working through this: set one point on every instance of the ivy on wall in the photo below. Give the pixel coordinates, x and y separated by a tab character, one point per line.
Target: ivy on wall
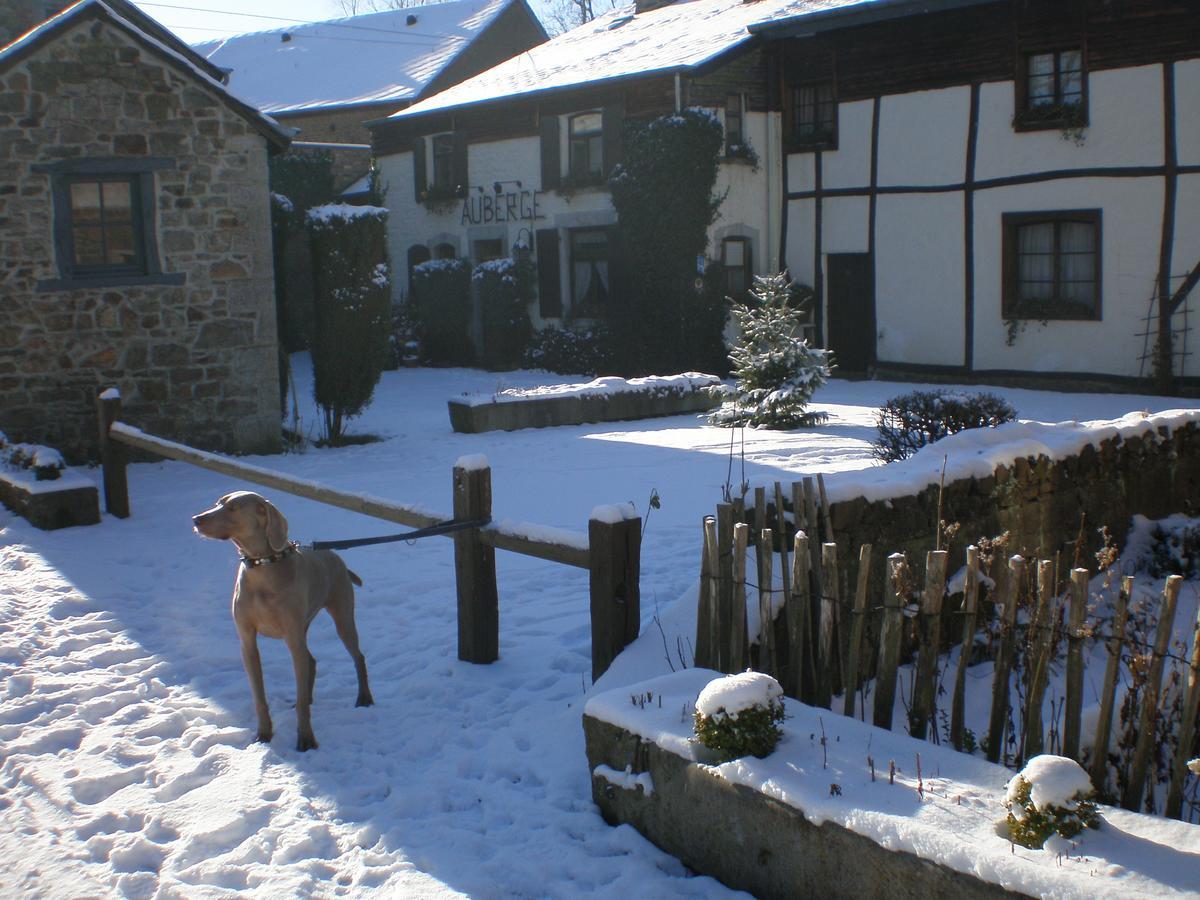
663	192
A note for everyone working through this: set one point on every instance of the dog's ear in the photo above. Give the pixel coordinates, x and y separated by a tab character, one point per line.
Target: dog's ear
277	527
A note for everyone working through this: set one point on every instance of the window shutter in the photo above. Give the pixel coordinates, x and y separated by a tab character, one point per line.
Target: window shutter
460	177
419	184
551	166
613	125
549	277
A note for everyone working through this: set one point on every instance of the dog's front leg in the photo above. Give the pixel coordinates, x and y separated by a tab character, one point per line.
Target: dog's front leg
253	663
306	668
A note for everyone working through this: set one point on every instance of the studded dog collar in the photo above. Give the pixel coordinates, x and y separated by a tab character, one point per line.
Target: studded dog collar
251	562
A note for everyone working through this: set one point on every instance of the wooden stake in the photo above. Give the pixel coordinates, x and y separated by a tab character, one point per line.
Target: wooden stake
931	639
615	588
798	618
970	613
889	643
113	456
1116	640
854	651
1041	644
781	530
706	609
1148	722
475	571
737	630
1074	705
829	601
1004	661
766	620
724	587
1187	729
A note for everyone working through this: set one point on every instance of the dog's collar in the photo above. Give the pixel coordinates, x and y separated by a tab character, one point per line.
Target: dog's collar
251	561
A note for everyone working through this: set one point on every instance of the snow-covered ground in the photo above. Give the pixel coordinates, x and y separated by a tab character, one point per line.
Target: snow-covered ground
126	766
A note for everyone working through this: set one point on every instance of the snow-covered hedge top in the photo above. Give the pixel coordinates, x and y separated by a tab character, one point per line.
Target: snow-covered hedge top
325	215
1053	781
734	693
282	201
685	383
977	452
439	265
503	267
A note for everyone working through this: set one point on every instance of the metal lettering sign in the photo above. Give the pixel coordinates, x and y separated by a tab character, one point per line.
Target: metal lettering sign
514	206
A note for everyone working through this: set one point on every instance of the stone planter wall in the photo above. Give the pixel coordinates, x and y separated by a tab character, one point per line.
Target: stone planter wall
750	841
62	503
540	412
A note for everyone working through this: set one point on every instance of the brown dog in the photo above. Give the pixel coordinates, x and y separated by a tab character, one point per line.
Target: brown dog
279	591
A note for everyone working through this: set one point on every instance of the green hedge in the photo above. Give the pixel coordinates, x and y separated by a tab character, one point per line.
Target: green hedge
506	288
441	308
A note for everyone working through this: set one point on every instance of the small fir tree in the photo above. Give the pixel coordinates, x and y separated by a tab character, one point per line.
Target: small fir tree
776	371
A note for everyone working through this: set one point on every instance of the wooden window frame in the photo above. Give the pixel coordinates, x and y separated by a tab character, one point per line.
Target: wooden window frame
1056	115
740	116
136	223
589	176
442	158
582	311
1012	306
814	140
747	265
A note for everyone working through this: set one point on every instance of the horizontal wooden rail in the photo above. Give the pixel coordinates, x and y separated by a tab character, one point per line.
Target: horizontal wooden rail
359	503
504	536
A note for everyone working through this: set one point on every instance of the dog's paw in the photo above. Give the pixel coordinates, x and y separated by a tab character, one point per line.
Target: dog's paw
306	742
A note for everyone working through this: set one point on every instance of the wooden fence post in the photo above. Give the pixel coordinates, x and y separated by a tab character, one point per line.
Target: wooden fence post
1187	728
1099	767
798	618
724	586
1074	703
931	639
826	677
475	566
889	643
767	658
970	610
616	549
858	623
1147	722
113	456
705	655
1040	649
737	630
1004	660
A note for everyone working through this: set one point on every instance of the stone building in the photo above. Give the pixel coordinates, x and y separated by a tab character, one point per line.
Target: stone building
135	241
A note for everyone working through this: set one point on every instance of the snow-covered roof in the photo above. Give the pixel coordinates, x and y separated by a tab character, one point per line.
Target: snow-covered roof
622	44
367	59
144	29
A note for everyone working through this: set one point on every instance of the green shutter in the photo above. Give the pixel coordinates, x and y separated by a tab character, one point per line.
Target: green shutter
550	303
419	184
459	172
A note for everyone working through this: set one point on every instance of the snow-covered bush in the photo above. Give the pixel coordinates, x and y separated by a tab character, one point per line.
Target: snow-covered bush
739	715
775	369
1051	795
352	299
441	307
570	351
46	463
1174	549
910	421
506	288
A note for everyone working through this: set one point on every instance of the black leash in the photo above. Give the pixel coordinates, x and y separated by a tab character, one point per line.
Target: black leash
440	528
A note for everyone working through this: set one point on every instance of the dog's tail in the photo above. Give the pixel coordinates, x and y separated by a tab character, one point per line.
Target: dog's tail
354	578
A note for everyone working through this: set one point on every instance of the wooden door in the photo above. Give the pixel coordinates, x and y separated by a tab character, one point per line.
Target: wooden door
851	329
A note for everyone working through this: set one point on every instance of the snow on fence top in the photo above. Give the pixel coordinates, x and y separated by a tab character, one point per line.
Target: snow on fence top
977	452
685	383
612	514
325	214
472	462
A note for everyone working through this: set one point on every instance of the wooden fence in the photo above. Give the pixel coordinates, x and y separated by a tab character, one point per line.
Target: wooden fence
815	642
610	551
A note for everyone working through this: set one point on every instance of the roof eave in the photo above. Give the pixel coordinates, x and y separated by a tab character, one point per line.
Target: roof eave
808	24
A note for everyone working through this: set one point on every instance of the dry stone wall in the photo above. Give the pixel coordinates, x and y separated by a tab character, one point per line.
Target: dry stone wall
196	361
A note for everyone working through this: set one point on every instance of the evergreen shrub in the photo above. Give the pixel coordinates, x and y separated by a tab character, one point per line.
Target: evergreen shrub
739	715
506	288
910	421
570	351
1032	821
776	371
352	289
441	309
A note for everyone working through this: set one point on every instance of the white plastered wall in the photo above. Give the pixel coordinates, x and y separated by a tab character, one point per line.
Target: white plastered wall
923	137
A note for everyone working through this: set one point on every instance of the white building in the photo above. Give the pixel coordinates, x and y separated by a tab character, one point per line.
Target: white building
974	188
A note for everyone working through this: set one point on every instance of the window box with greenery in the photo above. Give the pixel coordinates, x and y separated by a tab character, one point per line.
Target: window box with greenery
448	184
1051	91
593	146
1052	265
104	223
811	117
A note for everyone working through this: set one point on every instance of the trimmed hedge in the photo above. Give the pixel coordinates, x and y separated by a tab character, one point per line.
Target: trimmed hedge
570	351
441	309
506	288
910	421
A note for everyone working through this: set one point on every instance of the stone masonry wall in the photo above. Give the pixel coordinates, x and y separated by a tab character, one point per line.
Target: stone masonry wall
196	362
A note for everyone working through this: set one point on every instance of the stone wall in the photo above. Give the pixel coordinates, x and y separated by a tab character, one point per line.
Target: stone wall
195	361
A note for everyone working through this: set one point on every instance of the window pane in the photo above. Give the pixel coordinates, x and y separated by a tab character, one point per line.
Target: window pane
1041	64
89	246
85	202
1077	262
1070	61
585	123
1072	87
590	244
1035	261
119	245
735	254
591	282
118	204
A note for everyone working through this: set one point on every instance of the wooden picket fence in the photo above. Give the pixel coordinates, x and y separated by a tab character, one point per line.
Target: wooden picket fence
816	643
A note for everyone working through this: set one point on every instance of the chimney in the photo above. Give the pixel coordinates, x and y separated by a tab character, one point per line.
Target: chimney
647	5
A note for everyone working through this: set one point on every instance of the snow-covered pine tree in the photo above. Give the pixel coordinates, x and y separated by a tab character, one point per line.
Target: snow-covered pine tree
775	369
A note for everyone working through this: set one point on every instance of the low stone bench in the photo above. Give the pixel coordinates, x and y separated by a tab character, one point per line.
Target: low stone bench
601	400
58	503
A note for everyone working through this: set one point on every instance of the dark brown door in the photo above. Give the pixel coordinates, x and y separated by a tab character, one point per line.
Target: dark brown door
851	310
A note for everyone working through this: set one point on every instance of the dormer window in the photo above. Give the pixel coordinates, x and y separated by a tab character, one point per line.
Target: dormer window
1052	90
586	146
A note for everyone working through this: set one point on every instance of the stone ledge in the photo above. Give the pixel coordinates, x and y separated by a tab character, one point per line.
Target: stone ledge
750	841
75	502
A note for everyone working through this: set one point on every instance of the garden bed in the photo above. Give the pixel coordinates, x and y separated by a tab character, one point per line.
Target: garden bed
813	817
602	400
62	502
